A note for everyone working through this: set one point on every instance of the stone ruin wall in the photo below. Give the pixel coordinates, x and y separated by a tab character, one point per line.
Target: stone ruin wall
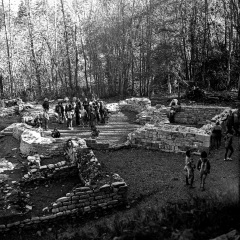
170	138
82	200
134	104
98	190
159	134
197	115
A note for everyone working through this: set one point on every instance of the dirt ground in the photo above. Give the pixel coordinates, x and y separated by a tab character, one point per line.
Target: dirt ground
152	176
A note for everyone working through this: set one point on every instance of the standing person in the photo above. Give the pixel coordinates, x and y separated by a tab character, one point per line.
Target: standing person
87	108
74	102
101	111
69	114
216	135
228	145
96	109
92	120
204	168
78	113
189	168
236	122
229	121
45	113
59	109
84	117
85	104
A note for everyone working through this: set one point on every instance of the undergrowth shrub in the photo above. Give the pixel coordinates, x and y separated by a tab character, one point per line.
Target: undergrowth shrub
203	218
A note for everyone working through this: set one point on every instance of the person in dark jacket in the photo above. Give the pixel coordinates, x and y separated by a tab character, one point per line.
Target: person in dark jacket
228	140
216	136
45	106
101	111
69	113
59	109
230	121
78	112
92	117
204	168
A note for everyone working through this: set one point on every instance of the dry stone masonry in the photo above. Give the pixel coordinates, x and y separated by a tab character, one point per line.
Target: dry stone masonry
159	134
97	190
170	138
135	104
197	115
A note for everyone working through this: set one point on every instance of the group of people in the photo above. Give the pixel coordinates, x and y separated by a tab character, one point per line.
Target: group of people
203	166
86	113
232	126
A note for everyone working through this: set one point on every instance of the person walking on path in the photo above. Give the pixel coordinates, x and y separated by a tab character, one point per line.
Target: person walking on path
189	169
228	140
216	136
204	168
45	106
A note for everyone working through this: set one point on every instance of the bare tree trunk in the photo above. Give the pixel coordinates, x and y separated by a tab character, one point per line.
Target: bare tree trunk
8	49
1	86
67	47
204	50
230	40
76	58
34	60
85	65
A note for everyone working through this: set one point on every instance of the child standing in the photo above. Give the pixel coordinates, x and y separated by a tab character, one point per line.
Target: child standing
204	168
69	115
189	168
228	145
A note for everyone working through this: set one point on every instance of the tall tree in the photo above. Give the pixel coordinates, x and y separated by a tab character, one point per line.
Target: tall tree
9	60
33	55
67	46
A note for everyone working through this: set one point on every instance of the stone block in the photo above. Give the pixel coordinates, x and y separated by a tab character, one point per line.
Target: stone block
63	199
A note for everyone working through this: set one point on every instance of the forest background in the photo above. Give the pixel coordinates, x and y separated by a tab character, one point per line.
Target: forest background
54	48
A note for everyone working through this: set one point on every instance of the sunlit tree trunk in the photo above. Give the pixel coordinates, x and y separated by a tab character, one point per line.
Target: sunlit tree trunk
33	56
67	46
8	49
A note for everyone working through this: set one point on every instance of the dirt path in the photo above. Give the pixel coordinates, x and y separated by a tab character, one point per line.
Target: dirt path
114	132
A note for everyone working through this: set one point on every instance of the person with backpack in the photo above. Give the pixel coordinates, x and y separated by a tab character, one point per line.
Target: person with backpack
228	140
204	168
